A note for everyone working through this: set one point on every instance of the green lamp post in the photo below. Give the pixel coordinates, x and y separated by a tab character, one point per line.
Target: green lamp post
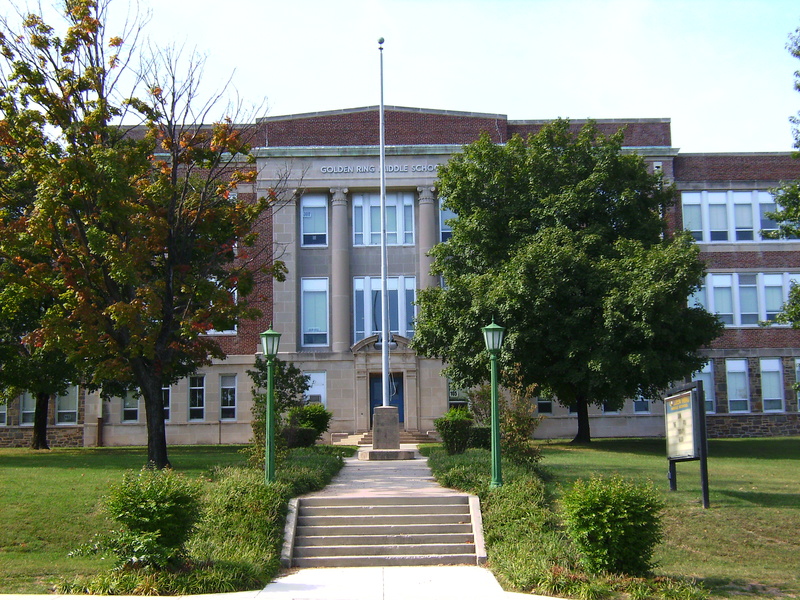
269	342
493	336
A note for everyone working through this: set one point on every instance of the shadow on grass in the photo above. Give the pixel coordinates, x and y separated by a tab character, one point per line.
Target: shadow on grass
129	457
765	499
739	588
780	448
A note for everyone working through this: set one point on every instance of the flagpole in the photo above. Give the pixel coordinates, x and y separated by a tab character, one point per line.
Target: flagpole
384	260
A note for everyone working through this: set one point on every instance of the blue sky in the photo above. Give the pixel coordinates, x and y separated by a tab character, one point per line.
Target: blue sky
718	68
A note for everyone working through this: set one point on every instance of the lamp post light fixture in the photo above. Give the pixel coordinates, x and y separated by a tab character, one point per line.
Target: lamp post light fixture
493	336
269	343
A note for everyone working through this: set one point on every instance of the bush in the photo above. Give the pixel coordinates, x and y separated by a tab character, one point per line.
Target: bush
454	429
480	437
312	416
615	524
299	437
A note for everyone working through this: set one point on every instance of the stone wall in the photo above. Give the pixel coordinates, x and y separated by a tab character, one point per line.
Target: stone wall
758	425
57	437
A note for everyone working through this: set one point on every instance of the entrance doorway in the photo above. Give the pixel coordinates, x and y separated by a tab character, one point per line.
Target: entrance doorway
395	393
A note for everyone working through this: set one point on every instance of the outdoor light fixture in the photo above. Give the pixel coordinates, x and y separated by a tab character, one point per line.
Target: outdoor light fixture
493	336
269	342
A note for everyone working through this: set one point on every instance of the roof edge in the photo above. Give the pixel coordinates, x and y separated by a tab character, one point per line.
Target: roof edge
344	111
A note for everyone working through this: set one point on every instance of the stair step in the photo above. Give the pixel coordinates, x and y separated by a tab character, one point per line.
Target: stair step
383	500
380	520
384	561
350	530
386	509
384	539
395	550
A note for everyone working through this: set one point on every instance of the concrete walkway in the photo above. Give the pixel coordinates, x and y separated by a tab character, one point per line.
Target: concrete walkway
372	479
369	479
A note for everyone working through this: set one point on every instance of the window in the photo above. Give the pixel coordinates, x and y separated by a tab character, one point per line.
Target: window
706	375
743	216
130	408
317	390
67	407
27	409
3	414
609	409
166	398
723	216
745	299
445	215
718	216
544	407
767	205
234	295
314	220
399	219
227	397
641	405
314	307
722	295
738	387
367	298
692	215
197	397
772	384
748	299
773	295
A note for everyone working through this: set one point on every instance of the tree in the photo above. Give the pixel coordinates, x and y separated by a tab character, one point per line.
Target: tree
25	367
787	197
151	247
560	239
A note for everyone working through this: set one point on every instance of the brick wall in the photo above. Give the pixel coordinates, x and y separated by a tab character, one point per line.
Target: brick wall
406	126
638	132
767	166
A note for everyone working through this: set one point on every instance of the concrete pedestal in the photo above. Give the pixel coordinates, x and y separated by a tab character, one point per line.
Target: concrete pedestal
386	428
386	437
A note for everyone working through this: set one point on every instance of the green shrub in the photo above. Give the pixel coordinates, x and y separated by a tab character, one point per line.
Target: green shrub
313	416
156	501
242	522
518	420
454	428
615	523
480	437
299	437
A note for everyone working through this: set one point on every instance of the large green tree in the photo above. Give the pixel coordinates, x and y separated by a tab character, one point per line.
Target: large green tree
787	197
24	366
561	239
150	246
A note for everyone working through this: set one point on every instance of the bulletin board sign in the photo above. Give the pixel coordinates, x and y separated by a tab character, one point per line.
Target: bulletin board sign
682	426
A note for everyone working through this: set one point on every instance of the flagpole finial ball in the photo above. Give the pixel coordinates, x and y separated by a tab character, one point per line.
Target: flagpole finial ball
380	40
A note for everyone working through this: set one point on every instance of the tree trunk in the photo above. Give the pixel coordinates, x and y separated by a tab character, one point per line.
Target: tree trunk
150	386
583	436
39	440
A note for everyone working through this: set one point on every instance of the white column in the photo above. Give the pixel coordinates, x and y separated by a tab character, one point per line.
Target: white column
341	284
427	236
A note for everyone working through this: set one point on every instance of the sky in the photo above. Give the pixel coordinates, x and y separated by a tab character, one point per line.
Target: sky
719	69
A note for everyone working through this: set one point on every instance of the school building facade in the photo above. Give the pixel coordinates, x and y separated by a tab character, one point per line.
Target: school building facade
328	307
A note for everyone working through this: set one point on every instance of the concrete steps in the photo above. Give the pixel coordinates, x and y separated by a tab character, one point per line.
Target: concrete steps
383	531
406	437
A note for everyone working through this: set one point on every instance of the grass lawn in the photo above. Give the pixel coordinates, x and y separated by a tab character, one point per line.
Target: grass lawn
748	541
49	504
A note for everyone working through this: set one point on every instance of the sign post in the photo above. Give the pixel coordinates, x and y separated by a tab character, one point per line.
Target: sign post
685	414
